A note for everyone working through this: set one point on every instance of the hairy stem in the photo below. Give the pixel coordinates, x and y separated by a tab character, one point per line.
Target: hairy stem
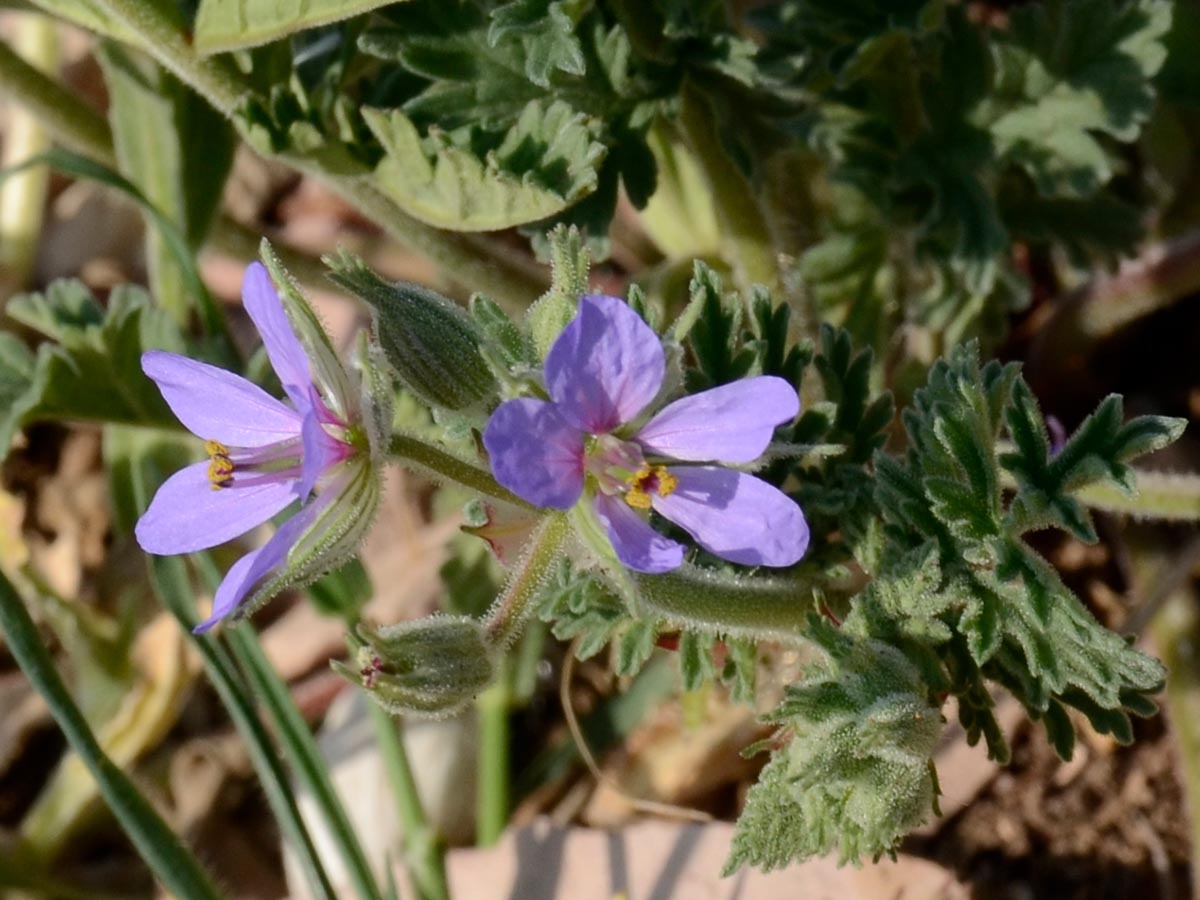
774	608
474	260
424	849
507	616
442	465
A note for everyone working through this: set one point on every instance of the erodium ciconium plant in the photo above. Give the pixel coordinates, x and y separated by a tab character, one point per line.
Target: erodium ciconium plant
595	442
319	452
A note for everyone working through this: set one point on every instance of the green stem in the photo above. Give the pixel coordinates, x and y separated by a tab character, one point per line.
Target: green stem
493	798
169	578
424	849
442	465
731	606
507	616
1168	496
475	260
745	234
68	119
1160	495
304	755
178	870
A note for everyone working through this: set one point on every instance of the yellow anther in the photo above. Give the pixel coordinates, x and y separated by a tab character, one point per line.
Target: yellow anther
220	466
666	481
637	498
647	479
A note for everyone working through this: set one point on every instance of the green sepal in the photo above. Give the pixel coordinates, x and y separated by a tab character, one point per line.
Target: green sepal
432	666
432	344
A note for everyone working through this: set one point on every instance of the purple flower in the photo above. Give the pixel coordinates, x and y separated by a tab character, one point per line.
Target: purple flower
602	373
265	455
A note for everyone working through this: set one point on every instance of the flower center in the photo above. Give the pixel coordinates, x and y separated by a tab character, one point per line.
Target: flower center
620	468
220	466
647	480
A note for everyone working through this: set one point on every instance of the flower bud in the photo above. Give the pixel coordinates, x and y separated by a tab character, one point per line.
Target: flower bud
432	344
431	666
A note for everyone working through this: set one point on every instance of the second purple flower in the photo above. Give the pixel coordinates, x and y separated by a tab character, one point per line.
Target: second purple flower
602	373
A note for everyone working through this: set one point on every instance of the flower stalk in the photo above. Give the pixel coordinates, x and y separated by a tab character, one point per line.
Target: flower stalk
442	465
507	616
425	851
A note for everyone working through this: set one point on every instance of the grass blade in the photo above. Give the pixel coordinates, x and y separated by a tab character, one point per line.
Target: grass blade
170	861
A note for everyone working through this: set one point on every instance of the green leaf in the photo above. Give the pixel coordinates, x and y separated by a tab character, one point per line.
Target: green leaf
177	149
695	659
84	168
168	858
223	25
856	774
546	33
711	328
547	161
1071	71
579	606
1016	622
90	369
1096	454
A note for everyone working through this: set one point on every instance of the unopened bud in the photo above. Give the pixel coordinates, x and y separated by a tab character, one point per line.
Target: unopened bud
570	260
432	666
431	342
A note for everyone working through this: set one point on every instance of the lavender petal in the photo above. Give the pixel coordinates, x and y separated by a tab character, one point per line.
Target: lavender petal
321	452
731	423
188	514
251	569
214	403
534	453
605	366
736	516
637	545
287	355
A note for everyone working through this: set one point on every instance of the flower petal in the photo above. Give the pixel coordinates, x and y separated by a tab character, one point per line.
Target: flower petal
214	403
731	423
321	452
605	366
188	514
318	539
736	516
284	349
254	566
638	546
534	453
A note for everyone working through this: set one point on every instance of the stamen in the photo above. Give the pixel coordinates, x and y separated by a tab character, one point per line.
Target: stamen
647	479
220	466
